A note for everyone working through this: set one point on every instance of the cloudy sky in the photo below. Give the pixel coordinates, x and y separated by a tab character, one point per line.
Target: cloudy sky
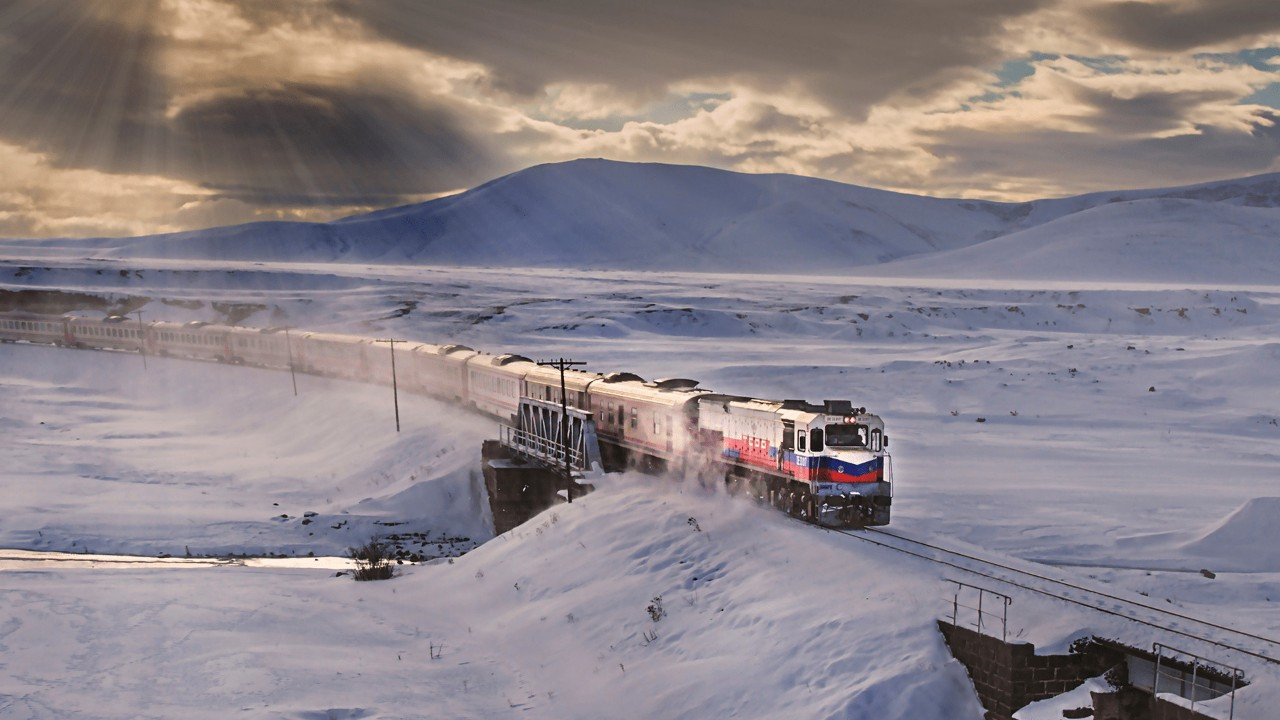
121	117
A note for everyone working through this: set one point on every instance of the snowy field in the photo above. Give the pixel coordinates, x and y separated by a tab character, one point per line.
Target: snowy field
1123	434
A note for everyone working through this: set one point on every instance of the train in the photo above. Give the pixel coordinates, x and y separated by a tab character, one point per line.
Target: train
827	463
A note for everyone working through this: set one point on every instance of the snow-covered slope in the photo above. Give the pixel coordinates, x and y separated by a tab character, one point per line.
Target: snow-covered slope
1145	240
1127	437
604	214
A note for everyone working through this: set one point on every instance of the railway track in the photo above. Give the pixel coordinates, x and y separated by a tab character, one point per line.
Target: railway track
1164	619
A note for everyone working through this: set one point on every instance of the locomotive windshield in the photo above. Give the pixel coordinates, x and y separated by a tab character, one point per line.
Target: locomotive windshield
847	435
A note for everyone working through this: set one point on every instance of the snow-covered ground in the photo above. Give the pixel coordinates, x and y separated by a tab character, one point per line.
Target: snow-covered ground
1129	436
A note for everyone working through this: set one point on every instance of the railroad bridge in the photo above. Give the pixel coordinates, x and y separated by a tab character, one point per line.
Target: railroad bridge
550	454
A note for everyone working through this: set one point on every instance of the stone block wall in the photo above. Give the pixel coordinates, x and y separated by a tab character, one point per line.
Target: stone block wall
516	492
1008	676
1133	704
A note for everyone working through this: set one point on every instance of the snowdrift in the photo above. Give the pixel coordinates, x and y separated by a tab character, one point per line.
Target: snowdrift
1247	540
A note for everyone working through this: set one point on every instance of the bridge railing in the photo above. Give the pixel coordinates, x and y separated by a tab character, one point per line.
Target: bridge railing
538	437
987	608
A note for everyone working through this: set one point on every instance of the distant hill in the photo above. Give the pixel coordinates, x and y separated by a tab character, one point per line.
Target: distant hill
605	214
1154	239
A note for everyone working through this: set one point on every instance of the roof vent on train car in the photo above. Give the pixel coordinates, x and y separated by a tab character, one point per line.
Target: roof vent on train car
195	324
455	348
674	384
508	359
795	405
838	407
614	377
114	318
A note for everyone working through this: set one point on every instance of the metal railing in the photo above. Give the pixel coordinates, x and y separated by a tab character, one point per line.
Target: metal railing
539	437
538	447
1206	680
983	609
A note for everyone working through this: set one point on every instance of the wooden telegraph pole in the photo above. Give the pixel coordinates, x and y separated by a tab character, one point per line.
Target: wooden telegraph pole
395	391
289	346
142	340
562	365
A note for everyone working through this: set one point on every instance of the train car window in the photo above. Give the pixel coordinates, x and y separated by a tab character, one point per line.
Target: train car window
815	439
635	419
657	426
800	442
875	440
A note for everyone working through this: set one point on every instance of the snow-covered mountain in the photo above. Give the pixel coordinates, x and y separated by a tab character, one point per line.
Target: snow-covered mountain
605	214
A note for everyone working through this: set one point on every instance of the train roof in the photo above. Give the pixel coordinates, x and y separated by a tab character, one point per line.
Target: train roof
455	353
799	410
674	383
194	325
337	338
509	362
614	377
576	380
647	392
86	320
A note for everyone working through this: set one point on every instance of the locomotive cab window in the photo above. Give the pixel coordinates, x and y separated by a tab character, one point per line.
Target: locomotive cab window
800	442
815	439
875	440
847	435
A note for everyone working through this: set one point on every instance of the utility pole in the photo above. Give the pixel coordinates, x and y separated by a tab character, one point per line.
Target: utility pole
563	365
289	346
395	391
142	340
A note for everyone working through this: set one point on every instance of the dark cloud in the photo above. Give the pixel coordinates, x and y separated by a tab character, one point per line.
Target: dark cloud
78	81
1143	113
81	82
309	144
852	54
1097	161
1178	26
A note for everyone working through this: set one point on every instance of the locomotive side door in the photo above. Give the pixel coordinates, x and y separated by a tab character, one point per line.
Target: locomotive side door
788	445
